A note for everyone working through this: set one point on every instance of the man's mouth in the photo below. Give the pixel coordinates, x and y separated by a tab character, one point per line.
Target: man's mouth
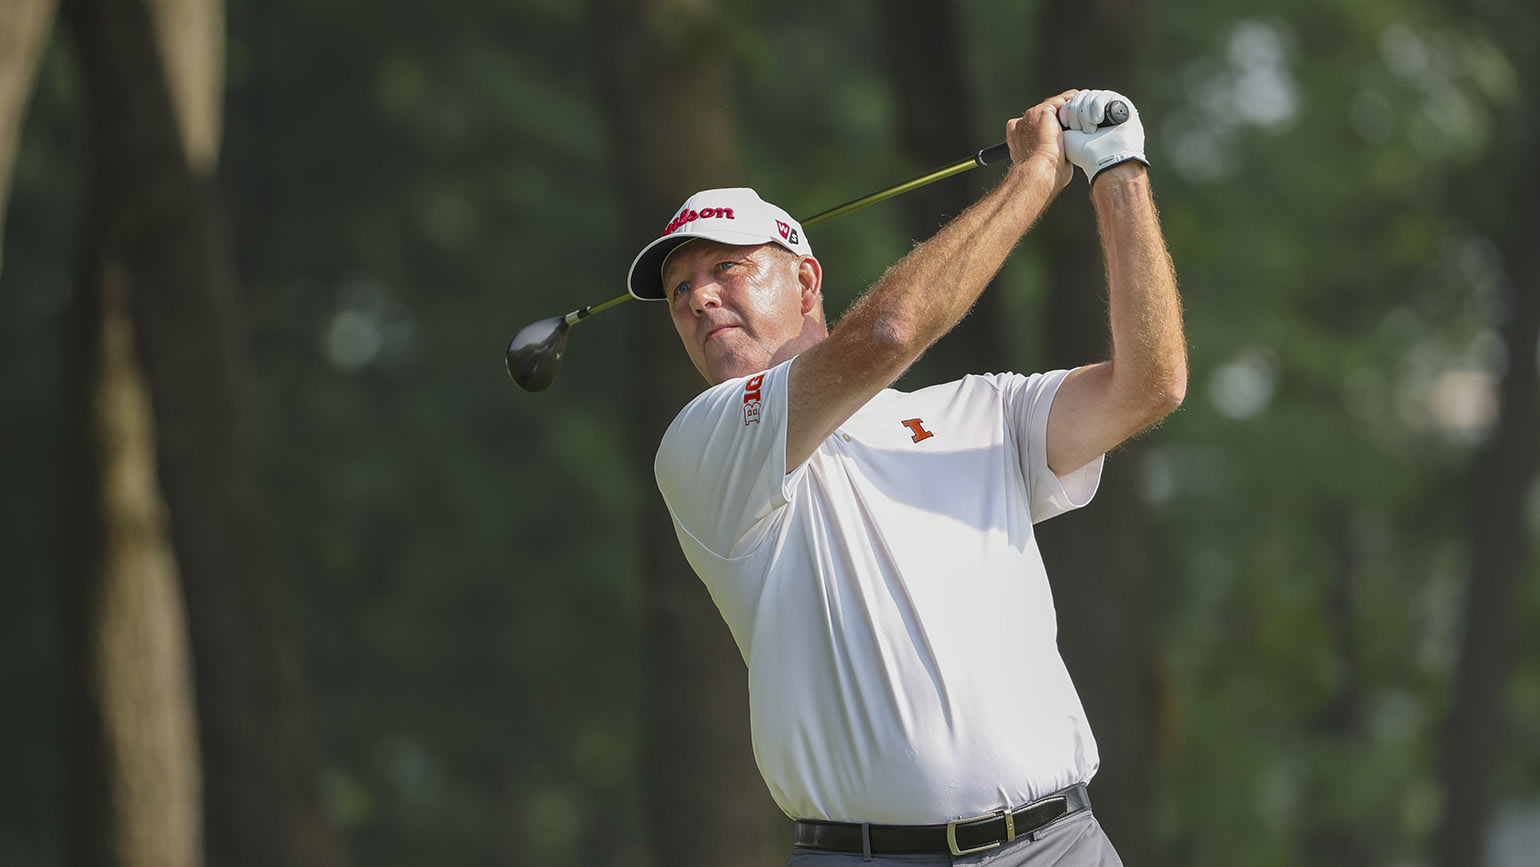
718	329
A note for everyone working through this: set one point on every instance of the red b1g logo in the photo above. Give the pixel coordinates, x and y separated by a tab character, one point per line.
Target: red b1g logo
751	400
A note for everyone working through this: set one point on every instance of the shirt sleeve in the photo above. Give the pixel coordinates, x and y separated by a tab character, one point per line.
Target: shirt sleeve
722	464
1029	400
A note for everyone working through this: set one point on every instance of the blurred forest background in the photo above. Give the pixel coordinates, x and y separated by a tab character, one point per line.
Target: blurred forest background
293	575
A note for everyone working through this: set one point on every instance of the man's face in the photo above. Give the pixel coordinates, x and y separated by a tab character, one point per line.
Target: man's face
740	310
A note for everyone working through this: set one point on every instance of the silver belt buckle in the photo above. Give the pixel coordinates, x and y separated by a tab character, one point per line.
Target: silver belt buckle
1010	831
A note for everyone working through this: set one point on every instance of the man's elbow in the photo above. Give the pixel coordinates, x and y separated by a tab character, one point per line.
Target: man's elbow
1145	397
893	334
1157	395
1166	393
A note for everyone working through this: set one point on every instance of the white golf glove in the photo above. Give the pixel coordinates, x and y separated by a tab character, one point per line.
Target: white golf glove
1096	150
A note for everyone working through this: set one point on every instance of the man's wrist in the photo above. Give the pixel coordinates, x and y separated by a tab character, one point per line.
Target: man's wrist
1117	182
1038	169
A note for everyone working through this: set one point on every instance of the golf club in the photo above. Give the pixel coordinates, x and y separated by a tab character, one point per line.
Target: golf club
534	355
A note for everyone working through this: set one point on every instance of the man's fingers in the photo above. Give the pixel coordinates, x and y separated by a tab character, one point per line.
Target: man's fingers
1083	113
1070	114
1045	124
1053	102
1056	103
1083	108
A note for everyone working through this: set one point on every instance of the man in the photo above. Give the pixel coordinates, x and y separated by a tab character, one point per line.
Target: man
873	551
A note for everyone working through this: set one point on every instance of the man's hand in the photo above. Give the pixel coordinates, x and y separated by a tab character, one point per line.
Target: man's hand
1037	134
1094	149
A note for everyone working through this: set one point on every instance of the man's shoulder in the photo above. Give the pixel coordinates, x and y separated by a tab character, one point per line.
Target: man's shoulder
728	394
708	396
972	385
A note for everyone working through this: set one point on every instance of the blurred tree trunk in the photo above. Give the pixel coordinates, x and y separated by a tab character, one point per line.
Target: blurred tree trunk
1337	832
24	27
923	50
155	242
1097	558
131	745
1503	476
663	78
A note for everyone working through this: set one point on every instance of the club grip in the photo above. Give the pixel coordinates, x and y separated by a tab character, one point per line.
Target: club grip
998	153
1116	113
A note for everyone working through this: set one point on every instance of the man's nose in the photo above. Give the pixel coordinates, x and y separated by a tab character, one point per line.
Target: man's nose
705	295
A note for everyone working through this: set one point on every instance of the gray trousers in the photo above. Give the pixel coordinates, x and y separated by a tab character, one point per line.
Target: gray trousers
1073	841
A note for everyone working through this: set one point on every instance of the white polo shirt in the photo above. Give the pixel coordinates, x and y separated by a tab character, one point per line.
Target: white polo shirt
888	595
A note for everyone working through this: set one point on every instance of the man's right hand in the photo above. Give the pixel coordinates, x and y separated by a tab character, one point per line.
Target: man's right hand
1037	134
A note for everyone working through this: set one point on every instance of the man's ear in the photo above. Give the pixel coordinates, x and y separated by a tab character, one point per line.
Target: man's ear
810	277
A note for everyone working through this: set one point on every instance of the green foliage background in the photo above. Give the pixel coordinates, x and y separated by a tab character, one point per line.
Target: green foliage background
410	183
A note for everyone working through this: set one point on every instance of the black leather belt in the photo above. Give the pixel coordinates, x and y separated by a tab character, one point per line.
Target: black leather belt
958	837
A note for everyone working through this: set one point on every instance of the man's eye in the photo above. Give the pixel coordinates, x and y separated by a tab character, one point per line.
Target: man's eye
723	266
681	289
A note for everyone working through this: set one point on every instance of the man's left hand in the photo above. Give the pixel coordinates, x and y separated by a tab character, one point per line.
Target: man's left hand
1095	149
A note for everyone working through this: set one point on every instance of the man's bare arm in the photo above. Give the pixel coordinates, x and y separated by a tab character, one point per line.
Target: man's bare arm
1101	406
927	292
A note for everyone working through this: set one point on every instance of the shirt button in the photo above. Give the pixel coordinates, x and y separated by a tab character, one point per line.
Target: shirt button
846	436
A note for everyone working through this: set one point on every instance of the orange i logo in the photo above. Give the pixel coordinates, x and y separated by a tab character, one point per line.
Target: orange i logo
917	427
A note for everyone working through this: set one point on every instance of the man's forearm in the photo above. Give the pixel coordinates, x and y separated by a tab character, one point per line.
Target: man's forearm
1149	355
929	291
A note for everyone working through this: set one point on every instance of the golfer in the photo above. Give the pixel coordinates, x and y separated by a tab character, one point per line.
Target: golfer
873	551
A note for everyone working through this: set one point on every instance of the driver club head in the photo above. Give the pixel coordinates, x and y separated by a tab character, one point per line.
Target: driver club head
534	354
